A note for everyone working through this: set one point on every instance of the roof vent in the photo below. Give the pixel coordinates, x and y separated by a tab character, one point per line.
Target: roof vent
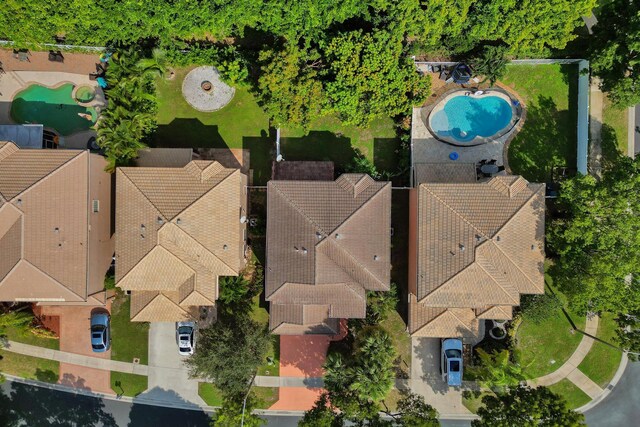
142	227
478	237
376	258
533	247
318	235
243	219
304	250
296	248
142	236
461	246
338	236
497	238
19	202
178	221
160	220
225	247
55	230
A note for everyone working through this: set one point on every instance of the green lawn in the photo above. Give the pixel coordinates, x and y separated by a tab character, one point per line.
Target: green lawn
271	366
129	339
548	137
128	384
210	394
266	396
573	395
329	139
33	368
543	347
24	334
243	124
602	361
614	129
390	402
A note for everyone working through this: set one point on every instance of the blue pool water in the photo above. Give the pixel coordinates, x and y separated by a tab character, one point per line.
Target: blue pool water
464	118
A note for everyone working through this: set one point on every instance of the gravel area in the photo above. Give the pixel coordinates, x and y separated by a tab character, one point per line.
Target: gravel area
203	89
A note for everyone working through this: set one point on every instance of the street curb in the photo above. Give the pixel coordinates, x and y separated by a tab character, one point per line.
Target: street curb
616	378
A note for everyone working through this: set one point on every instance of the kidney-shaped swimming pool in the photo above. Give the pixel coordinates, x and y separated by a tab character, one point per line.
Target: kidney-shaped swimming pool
469	120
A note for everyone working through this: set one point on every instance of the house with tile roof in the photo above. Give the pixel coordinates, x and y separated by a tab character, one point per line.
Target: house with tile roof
178	229
328	243
474	248
55	225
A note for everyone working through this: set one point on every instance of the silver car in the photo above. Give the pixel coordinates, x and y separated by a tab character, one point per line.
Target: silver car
186	337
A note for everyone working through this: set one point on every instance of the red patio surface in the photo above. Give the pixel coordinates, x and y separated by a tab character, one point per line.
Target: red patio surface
74	338
303	356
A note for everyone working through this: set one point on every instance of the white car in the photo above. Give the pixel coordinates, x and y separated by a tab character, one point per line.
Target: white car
186	337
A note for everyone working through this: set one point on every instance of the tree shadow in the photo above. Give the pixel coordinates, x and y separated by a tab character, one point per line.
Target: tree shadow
610	151
36	406
400	249
389	157
47	375
319	145
262	150
178	413
547	139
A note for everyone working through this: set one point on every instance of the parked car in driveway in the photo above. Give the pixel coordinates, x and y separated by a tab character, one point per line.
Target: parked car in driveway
451	361
100	332
186	337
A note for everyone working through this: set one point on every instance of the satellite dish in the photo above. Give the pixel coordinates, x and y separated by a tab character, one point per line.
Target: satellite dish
243	219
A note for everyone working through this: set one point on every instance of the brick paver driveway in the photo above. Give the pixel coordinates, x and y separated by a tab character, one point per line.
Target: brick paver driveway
75	338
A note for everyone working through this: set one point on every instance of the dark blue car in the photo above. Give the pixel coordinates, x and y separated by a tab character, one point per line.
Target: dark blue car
100	332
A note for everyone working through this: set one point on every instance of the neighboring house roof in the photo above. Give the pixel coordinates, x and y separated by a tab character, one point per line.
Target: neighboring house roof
444	172
54	245
479	246
302	171
177	231
327	243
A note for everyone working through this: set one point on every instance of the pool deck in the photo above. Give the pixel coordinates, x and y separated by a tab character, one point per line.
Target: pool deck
13	82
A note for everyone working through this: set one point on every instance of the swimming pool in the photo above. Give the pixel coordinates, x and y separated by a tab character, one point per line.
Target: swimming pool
469	120
54	108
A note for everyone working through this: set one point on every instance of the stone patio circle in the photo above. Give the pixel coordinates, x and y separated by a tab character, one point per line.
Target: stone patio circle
203	89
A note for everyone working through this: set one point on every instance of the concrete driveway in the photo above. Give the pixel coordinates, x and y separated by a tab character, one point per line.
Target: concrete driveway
427	381
168	376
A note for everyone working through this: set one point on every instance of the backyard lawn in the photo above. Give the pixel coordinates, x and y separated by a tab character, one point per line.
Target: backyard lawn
601	363
129	340
572	394
243	124
544	346
33	368
548	137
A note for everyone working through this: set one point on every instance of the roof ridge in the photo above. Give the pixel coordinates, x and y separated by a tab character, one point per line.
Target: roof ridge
297	208
493	279
124	173
66	163
458	214
351	258
26	261
157	246
160	294
458	319
377	193
233	172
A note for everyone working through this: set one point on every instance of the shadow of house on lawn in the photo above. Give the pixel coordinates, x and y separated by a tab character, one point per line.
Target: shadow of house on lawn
36	406
319	145
178	412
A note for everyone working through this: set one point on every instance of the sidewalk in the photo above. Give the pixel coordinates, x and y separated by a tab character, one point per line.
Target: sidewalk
569	369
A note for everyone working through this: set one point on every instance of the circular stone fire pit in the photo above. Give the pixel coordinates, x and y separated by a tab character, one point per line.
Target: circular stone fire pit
203	89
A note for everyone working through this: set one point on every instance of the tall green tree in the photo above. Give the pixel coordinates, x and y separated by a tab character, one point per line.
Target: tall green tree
615	50
235	412
216	356
596	239
371	75
496	371
628	333
526	407
289	87
413	411
491	63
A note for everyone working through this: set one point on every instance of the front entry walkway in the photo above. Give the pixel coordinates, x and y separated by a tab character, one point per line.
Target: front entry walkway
427	381
74	338
168	376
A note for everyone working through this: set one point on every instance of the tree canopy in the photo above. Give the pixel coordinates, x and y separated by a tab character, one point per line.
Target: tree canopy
526	407
597	239
615	50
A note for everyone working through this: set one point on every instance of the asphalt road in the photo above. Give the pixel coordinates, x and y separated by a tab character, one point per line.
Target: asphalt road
41	407
621	407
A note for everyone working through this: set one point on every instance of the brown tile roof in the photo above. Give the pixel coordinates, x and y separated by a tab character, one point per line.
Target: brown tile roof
328	242
440	322
299	319
48	230
444	173
178	230
302	171
479	244
497	312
